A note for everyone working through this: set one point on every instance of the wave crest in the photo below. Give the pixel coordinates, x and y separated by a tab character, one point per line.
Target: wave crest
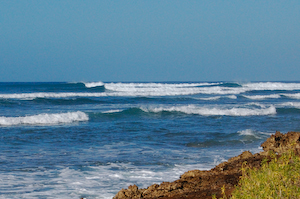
215	111
93	84
262	97
45	118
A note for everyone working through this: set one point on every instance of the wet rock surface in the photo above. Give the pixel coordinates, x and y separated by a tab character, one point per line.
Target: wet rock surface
204	184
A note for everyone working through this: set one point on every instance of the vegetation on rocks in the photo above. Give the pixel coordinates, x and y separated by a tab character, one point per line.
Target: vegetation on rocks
279	178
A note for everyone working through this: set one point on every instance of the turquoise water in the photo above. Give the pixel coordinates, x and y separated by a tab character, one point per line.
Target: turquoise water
73	140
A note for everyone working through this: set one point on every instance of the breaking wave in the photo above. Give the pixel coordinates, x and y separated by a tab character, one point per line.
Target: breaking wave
164	89
291	104
44	119
294	95
272	86
217	97
262	97
207	111
93	84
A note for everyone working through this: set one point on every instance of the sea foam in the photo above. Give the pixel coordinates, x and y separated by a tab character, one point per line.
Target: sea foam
93	84
291	104
211	111
294	95
262	97
272	86
165	89
45	119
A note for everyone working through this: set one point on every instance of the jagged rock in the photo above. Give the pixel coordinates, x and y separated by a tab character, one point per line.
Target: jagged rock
280	143
203	184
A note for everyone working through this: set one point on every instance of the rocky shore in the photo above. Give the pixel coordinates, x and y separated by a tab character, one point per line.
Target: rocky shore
204	184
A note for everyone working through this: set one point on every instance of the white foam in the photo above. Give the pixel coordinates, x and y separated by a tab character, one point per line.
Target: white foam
231	97
160	89
93	84
101	182
49	95
129	93
44	119
210	98
272	86
294	95
291	104
156	89
155	86
210	111
262	97
253	133
249	132
218	97
112	111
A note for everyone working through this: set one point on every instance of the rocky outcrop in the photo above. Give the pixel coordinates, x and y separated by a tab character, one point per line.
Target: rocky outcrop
204	184
280	143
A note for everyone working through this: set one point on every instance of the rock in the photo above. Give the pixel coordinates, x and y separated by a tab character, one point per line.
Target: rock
203	184
280	143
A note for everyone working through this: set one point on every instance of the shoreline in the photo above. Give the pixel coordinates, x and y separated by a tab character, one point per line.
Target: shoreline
205	184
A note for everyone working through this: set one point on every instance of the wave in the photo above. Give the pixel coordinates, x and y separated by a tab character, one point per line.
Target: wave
249	134
214	111
209	98
45	119
272	86
71	101
217	97
288	108
129	93
291	104
49	95
294	95
130	86
229	84
93	84
113	111
246	136
161	89
262	97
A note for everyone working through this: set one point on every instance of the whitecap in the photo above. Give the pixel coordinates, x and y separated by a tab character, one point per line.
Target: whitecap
249	132
294	95
231	97
272	86
209	98
290	104
112	111
45	119
93	84
262	97
213	111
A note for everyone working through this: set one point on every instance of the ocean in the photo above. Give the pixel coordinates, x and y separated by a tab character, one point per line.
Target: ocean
91	139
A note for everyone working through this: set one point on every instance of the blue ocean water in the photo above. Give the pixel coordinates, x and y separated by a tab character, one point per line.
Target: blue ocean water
74	140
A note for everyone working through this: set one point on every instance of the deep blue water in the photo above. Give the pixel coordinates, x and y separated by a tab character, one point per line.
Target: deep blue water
73	140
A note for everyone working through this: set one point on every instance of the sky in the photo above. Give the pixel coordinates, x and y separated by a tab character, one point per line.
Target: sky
149	41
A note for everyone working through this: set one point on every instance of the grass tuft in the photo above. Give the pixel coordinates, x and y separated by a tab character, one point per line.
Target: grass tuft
280	178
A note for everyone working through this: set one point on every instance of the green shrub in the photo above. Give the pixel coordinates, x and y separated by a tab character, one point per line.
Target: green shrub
280	178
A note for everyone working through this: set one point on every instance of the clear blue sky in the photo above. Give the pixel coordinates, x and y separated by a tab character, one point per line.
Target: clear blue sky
125	40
